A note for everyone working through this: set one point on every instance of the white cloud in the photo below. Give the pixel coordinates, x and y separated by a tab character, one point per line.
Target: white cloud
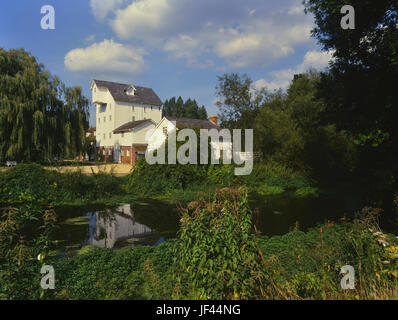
262	42
186	48
106	58
101	8
90	38
143	18
250	33
282	78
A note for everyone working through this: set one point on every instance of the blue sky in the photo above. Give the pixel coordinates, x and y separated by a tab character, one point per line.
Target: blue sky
177	47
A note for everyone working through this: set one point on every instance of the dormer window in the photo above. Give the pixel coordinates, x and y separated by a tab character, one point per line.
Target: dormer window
130	91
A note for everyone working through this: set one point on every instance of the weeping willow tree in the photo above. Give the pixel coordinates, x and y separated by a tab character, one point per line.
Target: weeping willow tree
39	116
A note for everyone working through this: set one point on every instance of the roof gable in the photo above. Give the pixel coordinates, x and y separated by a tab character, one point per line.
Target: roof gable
129	126
193	123
141	95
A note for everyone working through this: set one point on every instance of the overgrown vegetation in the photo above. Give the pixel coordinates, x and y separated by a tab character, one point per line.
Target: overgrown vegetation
205	261
32	183
184	181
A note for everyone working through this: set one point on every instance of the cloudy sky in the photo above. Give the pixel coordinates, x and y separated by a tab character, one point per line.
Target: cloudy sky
177	47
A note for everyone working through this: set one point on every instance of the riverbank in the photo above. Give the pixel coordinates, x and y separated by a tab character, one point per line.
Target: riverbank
301	264
216	254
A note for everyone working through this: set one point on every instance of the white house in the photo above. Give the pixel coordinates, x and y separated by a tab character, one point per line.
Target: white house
169	125
124	113
220	141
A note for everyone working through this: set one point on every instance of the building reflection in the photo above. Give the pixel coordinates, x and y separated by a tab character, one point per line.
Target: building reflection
107	228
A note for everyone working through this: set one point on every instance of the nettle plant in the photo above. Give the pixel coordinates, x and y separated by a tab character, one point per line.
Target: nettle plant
217	250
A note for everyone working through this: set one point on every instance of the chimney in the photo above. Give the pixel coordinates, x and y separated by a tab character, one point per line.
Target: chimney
214	119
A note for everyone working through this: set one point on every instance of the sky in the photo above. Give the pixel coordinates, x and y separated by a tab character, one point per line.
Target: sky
176	47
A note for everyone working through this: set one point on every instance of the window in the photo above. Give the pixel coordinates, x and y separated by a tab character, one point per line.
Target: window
133	118
165	130
130	91
104	119
122	134
122	153
109	152
104	136
110	135
103	152
99	120
110	118
128	153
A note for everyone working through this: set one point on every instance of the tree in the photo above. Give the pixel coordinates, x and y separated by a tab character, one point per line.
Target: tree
180	109
360	90
238	100
39	116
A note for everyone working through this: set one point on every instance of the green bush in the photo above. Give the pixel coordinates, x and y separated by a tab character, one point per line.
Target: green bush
269	178
217	251
24	234
131	273
31	182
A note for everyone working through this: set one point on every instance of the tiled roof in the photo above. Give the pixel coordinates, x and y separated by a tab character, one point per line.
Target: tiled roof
130	126
193	123
142	95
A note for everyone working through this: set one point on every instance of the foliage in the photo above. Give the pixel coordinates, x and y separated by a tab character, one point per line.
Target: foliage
138	273
216	255
266	190
39	116
238	100
359	89
34	183
307	192
180	109
24	234
172	180
217	249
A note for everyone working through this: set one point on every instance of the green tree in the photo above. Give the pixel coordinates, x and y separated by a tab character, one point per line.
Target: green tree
277	134
238	100
180	109
360	89
39	116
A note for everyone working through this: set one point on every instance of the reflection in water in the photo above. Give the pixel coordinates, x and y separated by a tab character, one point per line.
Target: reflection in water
108	227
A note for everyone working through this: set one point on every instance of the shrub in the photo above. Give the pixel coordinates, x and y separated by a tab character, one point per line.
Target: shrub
24	234
217	250
31	182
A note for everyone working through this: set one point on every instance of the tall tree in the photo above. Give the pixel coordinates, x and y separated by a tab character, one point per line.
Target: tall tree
188	109
39	116
238	100
360	90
